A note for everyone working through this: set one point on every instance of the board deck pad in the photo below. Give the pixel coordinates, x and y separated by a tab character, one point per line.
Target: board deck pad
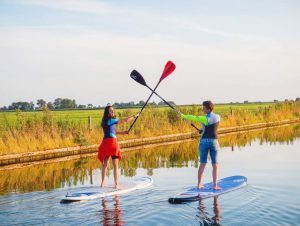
193	194
98	192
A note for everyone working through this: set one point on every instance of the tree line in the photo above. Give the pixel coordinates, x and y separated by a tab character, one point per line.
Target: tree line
66	103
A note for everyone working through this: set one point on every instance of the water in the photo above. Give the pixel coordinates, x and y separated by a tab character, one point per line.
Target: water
268	158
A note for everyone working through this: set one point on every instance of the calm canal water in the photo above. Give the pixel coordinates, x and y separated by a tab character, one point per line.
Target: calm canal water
270	159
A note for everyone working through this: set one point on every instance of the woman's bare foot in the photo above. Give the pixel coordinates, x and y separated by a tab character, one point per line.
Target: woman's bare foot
217	187
200	186
102	185
117	186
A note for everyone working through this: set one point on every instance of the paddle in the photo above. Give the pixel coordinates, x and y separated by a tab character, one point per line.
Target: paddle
169	68
135	75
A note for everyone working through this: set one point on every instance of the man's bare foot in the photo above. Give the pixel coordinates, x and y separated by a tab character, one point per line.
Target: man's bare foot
217	187
200	186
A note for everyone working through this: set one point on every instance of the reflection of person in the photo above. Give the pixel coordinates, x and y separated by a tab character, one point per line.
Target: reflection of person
109	145
208	142
215	220
112	216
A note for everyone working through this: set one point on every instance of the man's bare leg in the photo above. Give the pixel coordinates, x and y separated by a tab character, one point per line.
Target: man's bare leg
200	175
216	175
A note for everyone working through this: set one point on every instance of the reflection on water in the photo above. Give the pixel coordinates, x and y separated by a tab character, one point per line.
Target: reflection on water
72	173
111	215
204	215
268	158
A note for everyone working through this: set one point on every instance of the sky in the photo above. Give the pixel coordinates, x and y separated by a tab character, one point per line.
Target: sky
224	51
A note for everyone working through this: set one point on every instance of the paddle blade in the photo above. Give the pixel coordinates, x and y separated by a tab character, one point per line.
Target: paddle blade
169	68
135	75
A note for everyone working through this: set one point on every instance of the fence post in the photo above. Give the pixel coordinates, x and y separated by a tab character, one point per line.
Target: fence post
231	111
90	123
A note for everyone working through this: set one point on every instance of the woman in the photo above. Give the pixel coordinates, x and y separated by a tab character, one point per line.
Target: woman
109	145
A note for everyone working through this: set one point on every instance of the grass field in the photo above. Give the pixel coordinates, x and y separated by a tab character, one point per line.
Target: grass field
11	118
35	131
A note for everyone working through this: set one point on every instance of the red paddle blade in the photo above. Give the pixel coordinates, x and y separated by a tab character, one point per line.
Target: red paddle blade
169	68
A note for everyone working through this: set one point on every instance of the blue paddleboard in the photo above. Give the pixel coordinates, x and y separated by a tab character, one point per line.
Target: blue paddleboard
226	184
97	192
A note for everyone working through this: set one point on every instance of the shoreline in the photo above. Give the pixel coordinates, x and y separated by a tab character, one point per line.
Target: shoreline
127	145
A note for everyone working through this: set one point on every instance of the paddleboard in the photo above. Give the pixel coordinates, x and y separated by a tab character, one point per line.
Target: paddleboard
226	184
98	192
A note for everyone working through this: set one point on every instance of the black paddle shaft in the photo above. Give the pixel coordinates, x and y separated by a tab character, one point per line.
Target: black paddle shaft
144	105
153	91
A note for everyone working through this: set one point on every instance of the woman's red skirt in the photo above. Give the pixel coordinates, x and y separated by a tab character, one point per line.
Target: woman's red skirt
109	147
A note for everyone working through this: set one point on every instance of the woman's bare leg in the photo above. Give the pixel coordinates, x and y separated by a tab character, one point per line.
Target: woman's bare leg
103	172
116	176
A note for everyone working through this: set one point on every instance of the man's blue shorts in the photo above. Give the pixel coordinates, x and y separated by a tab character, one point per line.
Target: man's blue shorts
209	145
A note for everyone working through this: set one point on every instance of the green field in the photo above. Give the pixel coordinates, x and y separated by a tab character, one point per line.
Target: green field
81	116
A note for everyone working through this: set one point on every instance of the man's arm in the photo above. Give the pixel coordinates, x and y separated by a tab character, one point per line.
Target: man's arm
194	118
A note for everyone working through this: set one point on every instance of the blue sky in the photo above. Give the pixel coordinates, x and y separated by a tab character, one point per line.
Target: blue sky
226	51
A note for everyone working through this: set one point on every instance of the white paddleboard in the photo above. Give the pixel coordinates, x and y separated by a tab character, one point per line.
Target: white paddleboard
226	184
98	192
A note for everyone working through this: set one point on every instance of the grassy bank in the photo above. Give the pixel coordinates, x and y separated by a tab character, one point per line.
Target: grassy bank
29	131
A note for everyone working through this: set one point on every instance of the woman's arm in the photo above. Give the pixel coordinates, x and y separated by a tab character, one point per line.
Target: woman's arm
128	119
123	133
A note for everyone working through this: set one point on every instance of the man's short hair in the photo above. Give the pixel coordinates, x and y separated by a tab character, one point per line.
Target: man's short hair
208	104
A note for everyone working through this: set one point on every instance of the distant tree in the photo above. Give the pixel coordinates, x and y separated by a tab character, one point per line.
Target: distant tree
152	104
172	102
41	103
63	103
31	105
246	102
57	103
276	101
126	104
141	103
161	103
297	99
116	104
90	106
81	106
50	105
68	103
24	106
4	108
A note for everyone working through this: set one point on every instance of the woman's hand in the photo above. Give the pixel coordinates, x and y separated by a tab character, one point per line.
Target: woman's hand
129	119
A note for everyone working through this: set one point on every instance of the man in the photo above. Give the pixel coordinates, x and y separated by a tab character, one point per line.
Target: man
208	142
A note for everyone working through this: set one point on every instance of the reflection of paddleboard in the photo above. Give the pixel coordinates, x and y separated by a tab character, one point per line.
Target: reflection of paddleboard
226	184
125	187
